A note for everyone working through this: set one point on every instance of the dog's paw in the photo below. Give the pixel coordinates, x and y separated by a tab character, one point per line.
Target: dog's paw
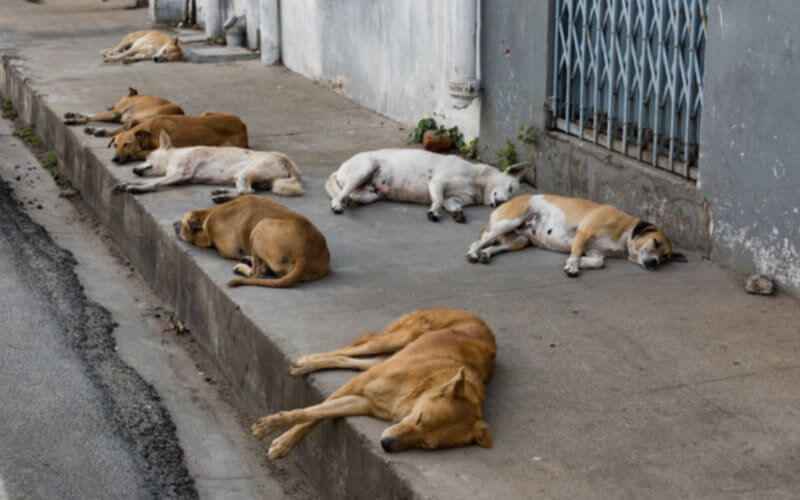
120	188
221	198
572	268
242	270
100	132
433	216
270	423
74	119
459	217
337	210
215	192
472	258
299	369
278	449
484	258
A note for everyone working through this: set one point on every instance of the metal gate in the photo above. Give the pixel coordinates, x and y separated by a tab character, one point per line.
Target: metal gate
628	75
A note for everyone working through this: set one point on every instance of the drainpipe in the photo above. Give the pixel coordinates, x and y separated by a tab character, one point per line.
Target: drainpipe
253	10
270	31
463	82
214	19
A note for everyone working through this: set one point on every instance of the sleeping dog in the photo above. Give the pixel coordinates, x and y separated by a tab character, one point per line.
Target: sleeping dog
588	231
129	111
418	176
242	168
432	387
143	45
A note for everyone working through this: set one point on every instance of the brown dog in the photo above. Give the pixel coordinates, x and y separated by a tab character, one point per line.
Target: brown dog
208	129
143	45
130	111
433	387
272	237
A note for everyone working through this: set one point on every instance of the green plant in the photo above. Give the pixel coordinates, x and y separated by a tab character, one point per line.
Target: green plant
529	135
50	163
507	155
9	113
470	150
28	135
425	124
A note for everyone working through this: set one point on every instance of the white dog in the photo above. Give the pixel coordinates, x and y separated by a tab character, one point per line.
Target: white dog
418	176
242	168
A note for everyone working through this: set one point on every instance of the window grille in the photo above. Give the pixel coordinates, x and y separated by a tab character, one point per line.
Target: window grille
628	75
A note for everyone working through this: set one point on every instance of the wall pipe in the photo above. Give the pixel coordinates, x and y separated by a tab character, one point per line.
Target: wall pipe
213	18
463	84
270	31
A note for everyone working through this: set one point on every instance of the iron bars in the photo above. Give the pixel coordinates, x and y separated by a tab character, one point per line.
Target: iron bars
628	75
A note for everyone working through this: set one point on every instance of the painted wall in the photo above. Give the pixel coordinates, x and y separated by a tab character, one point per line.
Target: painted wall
388	55
750	161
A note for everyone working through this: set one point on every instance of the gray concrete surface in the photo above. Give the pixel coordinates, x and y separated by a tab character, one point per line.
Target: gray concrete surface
621	384
223	462
199	54
749	162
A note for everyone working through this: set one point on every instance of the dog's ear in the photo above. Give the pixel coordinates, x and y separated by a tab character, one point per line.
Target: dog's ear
143	138
643	227
132	92
483	437
164	141
678	257
456	387
176	41
195	225
518	169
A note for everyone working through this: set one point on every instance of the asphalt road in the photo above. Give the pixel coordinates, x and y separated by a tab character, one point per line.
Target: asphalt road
75	422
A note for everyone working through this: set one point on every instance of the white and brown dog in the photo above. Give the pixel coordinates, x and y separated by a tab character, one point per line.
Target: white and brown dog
144	45
588	231
418	176
243	168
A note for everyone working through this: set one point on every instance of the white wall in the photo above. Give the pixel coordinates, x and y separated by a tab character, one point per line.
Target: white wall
388	55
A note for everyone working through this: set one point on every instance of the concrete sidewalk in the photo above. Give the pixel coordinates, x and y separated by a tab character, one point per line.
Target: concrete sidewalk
620	384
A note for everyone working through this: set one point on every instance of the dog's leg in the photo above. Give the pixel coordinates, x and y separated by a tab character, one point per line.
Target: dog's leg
593	260
150	186
335	406
142	56
359	177
103	132
282	444
386	342
455	207
490	236
507	244
573	265
331	362
103	116
436	190
365	196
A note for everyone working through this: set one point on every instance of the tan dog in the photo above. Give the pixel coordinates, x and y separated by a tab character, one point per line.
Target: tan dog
130	111
586	230
208	129
272	237
433	387
143	45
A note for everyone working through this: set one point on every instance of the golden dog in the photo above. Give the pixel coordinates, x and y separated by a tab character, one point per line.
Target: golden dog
433	387
130	111
588	231
272	237
143	45
208	129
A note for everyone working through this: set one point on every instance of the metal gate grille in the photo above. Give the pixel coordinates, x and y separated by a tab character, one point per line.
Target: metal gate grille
628	75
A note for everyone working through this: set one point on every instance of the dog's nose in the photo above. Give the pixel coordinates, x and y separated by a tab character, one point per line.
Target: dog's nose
115	159
157	59
390	444
651	264
177	227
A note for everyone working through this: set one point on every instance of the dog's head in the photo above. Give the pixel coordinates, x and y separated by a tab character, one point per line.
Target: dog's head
169	52
502	186
158	159
191	228
131	145
649	247
443	417
124	101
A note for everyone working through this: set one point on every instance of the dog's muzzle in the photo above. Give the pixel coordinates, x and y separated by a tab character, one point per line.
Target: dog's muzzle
177	227
157	59
651	264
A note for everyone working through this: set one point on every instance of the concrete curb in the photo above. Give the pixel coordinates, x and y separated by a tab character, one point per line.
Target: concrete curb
338	459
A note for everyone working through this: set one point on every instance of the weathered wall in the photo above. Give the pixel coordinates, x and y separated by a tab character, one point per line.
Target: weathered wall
515	60
750	156
388	55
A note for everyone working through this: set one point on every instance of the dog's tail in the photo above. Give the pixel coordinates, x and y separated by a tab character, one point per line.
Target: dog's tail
291	186
287	280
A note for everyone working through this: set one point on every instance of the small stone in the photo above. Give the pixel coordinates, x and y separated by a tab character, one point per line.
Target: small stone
68	193
759	284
